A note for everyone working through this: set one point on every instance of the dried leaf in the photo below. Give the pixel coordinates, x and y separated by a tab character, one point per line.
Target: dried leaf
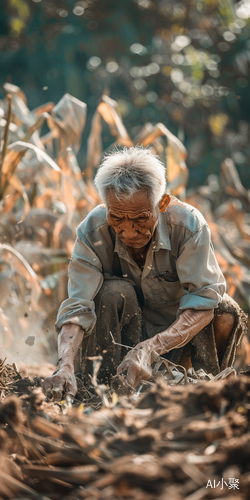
94	150
19	187
71	115
20	146
176	153
19	105
107	109
6	133
22	267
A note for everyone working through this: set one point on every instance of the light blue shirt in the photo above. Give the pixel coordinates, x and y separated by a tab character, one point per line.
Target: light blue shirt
180	271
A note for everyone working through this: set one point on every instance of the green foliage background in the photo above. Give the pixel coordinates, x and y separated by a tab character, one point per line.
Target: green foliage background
184	63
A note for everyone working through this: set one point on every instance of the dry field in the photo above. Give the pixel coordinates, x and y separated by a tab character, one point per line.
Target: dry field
179	437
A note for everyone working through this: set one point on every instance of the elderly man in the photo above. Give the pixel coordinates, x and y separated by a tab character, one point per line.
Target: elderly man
143	273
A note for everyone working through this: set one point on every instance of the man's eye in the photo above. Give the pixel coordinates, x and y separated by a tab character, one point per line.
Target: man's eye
115	218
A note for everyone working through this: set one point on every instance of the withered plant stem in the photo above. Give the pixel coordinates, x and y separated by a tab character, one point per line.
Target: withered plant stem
38	124
5	136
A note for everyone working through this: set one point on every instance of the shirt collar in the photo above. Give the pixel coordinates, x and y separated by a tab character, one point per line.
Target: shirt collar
161	236
159	240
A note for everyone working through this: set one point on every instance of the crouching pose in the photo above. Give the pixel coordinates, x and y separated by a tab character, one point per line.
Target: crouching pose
144	274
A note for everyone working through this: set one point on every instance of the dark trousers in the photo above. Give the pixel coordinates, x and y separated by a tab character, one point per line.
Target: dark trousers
118	313
119	319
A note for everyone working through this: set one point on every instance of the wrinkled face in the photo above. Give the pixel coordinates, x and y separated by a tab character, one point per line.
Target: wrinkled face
133	219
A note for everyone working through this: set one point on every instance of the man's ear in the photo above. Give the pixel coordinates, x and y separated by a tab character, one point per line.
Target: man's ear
164	202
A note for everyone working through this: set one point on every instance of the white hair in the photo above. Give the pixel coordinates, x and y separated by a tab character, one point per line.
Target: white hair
127	171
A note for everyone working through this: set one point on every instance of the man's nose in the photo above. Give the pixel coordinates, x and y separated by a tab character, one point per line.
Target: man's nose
128	231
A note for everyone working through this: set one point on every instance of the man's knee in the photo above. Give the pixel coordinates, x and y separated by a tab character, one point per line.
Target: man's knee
223	324
225	318
115	292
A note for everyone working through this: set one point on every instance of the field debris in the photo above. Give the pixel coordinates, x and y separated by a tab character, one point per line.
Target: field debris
181	435
177	441
30	340
44	195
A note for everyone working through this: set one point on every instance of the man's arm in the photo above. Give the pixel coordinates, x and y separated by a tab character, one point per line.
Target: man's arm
63	379
137	364
85	280
76	316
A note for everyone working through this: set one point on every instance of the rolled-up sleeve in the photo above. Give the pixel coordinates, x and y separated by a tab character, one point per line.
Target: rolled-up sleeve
199	273
85	281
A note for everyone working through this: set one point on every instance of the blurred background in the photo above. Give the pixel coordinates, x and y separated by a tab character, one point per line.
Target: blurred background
80	77
183	63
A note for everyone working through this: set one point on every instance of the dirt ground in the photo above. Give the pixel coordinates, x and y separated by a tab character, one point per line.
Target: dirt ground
180	442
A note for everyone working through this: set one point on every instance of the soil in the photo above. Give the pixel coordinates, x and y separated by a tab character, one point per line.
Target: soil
171	441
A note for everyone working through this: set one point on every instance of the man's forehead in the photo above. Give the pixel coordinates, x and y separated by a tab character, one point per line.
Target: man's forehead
139	200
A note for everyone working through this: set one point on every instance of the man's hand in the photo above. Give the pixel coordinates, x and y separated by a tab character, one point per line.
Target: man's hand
62	381
137	365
